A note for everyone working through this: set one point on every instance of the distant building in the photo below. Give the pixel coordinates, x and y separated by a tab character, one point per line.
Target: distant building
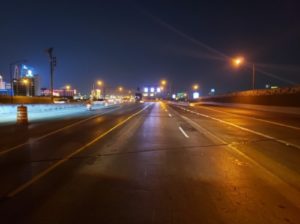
2	83
21	71
4	87
152	92
24	87
37	87
25	82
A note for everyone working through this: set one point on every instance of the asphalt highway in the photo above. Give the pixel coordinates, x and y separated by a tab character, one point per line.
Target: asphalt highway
153	163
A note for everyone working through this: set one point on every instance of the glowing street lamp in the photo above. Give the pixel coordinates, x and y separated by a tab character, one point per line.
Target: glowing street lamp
239	61
99	83
120	89
66	90
163	82
195	87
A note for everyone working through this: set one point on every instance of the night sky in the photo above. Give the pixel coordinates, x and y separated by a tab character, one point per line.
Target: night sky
136	43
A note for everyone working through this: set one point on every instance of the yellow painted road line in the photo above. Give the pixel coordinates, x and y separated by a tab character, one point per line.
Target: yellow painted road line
77	151
52	133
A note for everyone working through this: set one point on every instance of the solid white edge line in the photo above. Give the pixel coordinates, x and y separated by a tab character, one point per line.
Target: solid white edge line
253	118
290	191
248	130
183	132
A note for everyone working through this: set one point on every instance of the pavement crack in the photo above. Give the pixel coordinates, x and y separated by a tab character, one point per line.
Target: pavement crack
178	149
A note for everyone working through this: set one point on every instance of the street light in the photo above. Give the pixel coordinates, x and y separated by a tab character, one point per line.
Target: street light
195	87
67	88
239	61
99	83
120	88
163	88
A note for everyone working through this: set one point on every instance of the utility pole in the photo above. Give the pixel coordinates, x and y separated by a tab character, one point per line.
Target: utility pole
253	76
52	62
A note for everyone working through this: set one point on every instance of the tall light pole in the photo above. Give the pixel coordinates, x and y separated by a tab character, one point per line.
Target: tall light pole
66	90
100	84
163	84
52	63
253	76
239	61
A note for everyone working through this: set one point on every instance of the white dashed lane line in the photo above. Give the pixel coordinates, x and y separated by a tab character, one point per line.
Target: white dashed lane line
244	129
183	132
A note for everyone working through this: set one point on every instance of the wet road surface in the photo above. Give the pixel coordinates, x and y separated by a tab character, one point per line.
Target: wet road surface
155	163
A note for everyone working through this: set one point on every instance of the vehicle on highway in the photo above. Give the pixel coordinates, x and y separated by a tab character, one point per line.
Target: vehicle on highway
99	101
60	101
89	106
138	97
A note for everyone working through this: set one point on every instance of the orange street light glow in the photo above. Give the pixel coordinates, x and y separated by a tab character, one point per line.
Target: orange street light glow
238	61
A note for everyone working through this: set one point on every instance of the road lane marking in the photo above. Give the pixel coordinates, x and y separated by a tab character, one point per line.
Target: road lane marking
68	157
247	130
290	192
3	152
253	118
183	132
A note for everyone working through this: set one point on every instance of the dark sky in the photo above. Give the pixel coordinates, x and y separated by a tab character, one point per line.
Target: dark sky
132	43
